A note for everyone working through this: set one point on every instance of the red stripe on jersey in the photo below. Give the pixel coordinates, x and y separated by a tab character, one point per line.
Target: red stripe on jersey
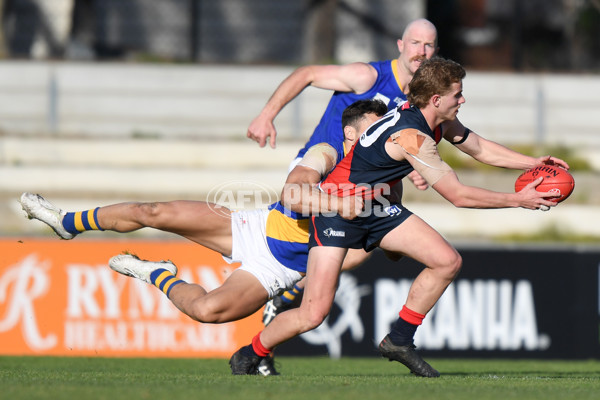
338	181
405	106
312	220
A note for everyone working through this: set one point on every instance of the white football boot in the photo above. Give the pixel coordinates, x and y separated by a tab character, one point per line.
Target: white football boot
130	265
41	209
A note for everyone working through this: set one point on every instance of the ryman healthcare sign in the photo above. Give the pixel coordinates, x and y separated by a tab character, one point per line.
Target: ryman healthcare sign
61	298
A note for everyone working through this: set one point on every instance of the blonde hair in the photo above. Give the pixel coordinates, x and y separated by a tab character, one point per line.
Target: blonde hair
434	76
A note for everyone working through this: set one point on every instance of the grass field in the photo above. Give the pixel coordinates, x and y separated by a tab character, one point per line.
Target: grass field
302	378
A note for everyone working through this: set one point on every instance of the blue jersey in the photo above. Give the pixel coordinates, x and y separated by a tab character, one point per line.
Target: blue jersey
329	130
368	163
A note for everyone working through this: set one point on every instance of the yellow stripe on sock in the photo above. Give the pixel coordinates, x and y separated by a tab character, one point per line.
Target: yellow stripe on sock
78	221
165	288
162	277
289	295
91	220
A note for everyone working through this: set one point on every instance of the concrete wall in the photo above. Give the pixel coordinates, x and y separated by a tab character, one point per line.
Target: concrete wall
123	100
129	100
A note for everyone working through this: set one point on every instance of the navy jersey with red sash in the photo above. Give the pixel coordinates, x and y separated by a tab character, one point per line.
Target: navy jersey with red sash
367	166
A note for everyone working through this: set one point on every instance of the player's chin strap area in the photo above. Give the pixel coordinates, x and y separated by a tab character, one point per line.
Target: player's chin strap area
544	208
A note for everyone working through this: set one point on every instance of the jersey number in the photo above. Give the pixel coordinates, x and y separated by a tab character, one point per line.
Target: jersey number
371	135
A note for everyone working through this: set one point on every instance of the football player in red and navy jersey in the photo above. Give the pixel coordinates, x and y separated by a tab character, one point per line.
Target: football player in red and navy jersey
405	139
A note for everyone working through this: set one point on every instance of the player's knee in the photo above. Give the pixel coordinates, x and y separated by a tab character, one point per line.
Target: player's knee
453	265
313	318
202	313
314	321
206	317
148	214
207	312
448	264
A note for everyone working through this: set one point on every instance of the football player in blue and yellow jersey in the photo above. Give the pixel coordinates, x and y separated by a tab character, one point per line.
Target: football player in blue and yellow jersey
384	80
271	244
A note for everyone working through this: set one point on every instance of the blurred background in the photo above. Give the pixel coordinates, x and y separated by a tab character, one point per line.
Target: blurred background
537	35
134	99
104	101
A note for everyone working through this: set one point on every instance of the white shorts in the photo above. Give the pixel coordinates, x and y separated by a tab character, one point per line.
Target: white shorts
249	247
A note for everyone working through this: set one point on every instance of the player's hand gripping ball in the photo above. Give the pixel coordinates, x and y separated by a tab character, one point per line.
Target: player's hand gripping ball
556	180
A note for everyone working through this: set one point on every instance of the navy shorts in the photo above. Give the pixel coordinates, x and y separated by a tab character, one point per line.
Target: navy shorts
363	232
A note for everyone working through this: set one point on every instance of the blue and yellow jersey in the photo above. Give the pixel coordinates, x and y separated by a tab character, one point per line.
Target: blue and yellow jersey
387	89
287	237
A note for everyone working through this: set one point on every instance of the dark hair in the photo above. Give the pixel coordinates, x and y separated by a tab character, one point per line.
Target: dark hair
434	76
357	110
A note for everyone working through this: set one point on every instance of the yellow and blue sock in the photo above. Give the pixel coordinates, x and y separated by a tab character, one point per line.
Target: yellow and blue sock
164	280
81	221
290	295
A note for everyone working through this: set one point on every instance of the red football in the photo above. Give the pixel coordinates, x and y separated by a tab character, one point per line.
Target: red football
556	179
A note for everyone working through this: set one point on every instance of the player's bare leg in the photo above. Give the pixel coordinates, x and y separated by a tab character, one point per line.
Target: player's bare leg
323	271
291	298
193	220
240	296
322	275
418	240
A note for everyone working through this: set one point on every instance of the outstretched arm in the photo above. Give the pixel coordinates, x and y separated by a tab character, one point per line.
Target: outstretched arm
355	77
474	197
492	153
421	152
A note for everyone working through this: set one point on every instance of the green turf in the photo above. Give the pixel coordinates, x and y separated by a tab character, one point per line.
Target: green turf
302	378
